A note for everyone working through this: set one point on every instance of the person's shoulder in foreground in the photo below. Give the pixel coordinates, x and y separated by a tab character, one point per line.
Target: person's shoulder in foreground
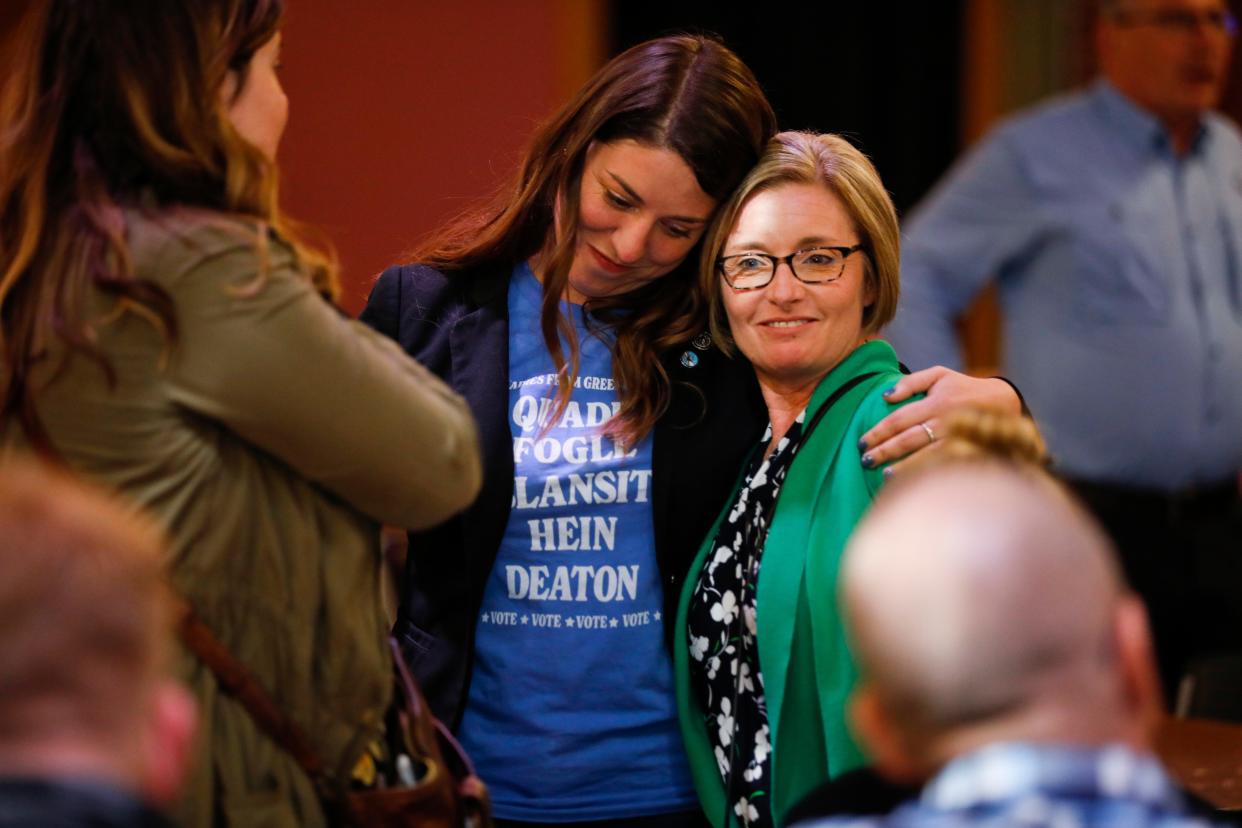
1029	784
49	803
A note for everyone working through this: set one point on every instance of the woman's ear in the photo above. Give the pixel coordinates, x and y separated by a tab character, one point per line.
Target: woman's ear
884	740
1141	693
869	284
168	749
229	88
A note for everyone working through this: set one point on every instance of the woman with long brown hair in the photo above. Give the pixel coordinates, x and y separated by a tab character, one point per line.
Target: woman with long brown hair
165	333
568	314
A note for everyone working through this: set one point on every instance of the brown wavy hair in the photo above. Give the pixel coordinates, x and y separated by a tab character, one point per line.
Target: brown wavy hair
116	104
686	93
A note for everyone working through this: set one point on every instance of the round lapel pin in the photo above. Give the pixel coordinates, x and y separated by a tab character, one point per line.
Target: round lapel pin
689	359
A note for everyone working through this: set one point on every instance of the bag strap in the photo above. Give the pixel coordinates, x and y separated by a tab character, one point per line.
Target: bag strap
237	680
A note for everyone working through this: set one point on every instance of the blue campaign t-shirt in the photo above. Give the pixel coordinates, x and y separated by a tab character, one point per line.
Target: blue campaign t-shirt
571	712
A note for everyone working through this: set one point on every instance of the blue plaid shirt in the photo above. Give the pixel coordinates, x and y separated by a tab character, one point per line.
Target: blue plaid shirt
1032	786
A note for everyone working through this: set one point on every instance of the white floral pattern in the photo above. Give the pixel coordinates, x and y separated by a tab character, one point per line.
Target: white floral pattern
747	811
725	610
732	699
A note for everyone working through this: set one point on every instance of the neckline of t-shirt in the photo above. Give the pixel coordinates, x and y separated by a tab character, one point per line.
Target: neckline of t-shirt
530	293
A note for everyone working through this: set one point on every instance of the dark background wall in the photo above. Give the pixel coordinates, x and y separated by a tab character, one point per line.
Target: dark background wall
884	75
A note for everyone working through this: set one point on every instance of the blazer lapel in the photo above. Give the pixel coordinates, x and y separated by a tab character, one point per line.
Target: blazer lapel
479	346
789	537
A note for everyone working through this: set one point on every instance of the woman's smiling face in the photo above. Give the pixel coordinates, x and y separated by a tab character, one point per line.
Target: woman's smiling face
794	333
641	211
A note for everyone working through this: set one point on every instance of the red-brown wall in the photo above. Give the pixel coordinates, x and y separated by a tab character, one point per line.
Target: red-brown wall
403	113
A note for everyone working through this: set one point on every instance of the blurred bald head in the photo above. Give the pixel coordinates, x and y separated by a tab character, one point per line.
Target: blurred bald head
985	605
85	634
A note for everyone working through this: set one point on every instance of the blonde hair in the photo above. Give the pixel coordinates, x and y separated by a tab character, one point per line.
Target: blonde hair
973	434
832	162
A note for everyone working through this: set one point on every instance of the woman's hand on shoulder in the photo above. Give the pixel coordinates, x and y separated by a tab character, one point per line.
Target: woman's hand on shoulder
912	427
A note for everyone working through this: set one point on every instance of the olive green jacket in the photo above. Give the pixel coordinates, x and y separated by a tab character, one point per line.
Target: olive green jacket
269	439
807	668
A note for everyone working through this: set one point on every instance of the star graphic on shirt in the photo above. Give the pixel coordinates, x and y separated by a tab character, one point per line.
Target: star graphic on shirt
525	619
569	622
657	615
612	622
484	618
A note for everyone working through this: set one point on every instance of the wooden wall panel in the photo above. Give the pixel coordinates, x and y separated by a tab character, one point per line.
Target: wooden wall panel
405	113
1015	53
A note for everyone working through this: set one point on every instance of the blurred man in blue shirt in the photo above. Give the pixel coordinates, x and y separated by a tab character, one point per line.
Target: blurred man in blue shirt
1111	221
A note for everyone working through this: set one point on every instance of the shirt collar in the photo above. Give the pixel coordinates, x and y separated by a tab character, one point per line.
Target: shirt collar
38	800
1135	123
1003	772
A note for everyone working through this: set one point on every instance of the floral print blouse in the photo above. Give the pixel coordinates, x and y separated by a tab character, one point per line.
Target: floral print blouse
720	624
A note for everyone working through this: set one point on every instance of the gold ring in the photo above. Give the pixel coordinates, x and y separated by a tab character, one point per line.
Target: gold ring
931	435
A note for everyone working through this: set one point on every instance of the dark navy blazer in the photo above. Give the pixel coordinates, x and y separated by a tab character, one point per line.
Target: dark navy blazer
457	325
